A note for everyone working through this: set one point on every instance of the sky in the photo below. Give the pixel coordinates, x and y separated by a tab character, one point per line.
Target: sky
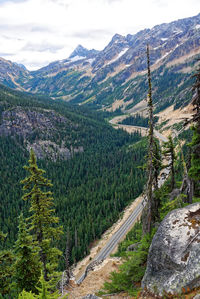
37	32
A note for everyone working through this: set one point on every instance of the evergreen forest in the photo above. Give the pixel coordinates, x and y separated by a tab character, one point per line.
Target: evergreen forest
90	189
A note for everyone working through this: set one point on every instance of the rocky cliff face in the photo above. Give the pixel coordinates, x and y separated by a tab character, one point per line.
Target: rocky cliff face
42	130
173	265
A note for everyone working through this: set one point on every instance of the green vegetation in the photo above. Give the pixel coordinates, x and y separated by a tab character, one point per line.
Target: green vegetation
90	189
43	223
136	120
132	270
32	264
6	271
27	267
194	171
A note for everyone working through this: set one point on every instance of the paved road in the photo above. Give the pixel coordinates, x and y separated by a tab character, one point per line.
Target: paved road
115	120
126	226
118	235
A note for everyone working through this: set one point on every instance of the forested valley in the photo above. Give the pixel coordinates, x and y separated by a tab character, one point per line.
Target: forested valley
90	189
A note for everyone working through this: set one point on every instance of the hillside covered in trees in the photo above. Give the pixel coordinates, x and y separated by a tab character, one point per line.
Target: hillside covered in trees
91	185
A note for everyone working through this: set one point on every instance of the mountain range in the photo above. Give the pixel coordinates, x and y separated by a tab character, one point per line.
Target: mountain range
115	78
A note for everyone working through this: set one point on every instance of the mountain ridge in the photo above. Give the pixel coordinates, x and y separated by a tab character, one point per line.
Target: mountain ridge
101	79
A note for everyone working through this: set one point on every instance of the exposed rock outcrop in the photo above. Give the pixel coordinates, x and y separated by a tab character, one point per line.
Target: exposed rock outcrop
90	296
38	128
133	247
174	256
92	266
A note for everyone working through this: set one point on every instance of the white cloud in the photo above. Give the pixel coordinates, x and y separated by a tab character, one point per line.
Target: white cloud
56	27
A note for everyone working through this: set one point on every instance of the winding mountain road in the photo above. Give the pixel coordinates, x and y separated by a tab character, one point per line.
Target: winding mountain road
134	216
130	129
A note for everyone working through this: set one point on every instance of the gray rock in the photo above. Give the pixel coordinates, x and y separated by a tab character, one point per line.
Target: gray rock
91	296
174	255
174	194
133	247
92	266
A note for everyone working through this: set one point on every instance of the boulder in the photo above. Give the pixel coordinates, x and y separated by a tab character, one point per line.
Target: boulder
133	247
92	266
90	296
173	265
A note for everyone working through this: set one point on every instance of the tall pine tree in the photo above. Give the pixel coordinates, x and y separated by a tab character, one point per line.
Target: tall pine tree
6	269
194	171
147	214
43	222
27	267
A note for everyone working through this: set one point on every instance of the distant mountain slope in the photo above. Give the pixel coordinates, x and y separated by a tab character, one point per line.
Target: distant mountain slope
115	77
12	74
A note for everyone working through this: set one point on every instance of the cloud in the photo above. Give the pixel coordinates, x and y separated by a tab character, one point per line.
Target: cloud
36	32
112	1
3	54
42	47
38	28
93	34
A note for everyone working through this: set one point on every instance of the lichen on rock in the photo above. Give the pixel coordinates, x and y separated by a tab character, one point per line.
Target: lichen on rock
173	264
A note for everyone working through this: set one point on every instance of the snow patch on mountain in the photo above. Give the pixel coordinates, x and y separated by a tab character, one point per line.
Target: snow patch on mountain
118	56
178	31
90	60
166	54
76	58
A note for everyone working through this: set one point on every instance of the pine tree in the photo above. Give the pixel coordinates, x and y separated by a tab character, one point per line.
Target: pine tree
169	153
43	291
67	255
187	183
194	171
42	221
27	267
157	163
27	295
6	269
147	214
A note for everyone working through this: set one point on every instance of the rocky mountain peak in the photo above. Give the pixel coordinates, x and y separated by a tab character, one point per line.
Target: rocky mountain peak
21	65
83	52
79	51
118	37
125	56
